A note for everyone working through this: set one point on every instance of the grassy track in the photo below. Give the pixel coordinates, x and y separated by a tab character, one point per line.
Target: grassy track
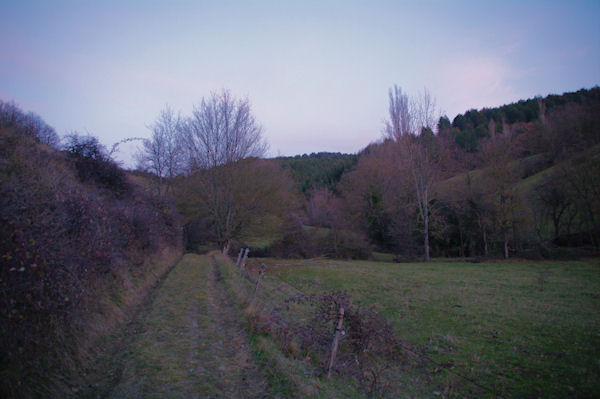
516	329
189	344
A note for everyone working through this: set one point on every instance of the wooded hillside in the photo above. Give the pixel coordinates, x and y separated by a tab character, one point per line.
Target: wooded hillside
516	180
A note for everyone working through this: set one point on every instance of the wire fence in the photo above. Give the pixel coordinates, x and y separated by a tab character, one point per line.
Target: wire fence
367	348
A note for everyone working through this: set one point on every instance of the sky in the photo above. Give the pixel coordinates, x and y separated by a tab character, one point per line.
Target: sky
317	73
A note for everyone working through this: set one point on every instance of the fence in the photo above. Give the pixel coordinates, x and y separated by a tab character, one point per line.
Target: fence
339	337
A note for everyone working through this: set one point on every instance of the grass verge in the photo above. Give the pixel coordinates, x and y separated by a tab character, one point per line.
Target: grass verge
292	372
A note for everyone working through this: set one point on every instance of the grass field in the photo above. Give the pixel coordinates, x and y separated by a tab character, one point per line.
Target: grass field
501	329
464	330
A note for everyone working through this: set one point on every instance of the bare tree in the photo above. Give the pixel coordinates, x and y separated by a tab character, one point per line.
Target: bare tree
222	130
505	203
583	174
422	158
221	133
10	114
162	154
400	113
426	111
418	153
555	204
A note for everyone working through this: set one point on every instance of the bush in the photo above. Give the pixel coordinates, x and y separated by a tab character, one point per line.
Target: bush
368	340
94	165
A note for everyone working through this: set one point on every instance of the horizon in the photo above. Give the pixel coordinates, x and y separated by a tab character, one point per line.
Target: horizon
317	74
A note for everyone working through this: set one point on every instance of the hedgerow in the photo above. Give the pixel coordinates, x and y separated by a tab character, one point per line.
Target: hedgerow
68	235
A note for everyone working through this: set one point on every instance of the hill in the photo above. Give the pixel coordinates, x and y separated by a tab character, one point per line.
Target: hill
551	147
513	180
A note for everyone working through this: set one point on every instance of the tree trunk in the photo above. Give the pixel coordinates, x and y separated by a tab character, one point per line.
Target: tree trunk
426	239
483	235
461	250
505	244
485	243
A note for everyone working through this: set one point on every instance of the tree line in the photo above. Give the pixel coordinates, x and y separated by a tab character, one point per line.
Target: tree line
494	181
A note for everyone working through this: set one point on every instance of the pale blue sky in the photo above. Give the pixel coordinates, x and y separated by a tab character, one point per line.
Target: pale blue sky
316	72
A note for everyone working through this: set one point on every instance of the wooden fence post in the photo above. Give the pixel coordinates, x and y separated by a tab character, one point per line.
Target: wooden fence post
336	339
237	263
260	274
243	265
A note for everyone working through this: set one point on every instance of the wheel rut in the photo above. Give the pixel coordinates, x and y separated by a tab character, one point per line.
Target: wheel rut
239	373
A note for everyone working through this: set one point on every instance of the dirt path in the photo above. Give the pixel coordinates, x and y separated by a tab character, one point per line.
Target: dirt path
188	343
239	376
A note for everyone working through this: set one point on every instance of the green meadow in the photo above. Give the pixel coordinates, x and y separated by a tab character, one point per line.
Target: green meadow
498	329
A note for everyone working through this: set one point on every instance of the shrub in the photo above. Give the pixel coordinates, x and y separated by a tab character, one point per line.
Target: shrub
295	243
94	165
367	343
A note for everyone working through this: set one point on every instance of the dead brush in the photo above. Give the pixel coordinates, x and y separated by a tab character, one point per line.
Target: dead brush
368	343
260	322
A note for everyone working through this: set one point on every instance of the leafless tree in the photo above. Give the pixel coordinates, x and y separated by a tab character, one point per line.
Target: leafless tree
583	174
163	154
401	115
424	169
505	203
221	133
426	110
222	130
10	114
410	127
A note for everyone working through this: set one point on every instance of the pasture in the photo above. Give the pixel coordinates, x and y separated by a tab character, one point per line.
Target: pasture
498	329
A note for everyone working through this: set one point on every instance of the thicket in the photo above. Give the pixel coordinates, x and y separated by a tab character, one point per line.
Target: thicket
77	240
94	166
